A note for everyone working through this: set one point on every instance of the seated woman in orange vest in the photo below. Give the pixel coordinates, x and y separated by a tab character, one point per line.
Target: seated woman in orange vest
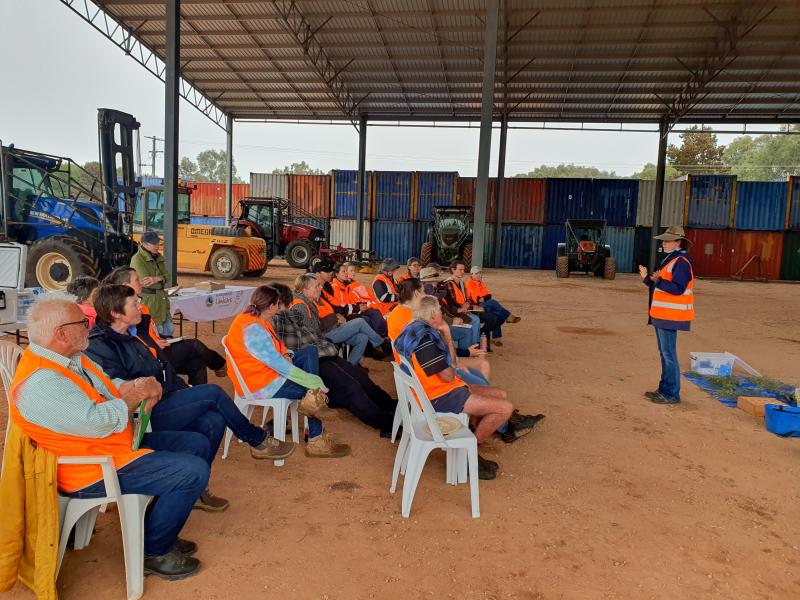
413	266
85	289
384	286
478	294
457	299
67	405
270	371
339	292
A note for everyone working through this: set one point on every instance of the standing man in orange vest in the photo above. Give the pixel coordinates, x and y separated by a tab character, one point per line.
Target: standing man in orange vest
671	309
67	405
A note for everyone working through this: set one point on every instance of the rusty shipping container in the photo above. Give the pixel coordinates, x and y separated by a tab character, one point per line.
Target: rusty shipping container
711	251
790	263
465	196
311	194
208	199
766	245
523	200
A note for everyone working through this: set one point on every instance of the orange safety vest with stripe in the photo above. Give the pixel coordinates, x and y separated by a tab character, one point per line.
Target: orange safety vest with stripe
406	276
255	373
368	295
475	290
671	307
117	445
385	307
342	296
455	290
324	309
434	385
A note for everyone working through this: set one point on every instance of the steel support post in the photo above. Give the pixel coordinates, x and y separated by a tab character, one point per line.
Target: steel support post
362	189
228	168
661	167
501	177
171	105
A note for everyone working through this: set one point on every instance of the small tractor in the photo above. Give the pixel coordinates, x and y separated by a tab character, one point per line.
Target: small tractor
585	250
450	236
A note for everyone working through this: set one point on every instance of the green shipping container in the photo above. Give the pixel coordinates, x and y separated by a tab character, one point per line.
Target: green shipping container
790	266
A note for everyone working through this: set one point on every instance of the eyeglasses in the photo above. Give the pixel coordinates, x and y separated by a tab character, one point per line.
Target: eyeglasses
84	322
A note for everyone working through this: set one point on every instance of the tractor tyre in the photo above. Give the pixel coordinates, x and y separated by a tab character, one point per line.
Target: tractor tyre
562	266
467	256
255	273
314	261
610	268
226	264
299	254
54	262
426	254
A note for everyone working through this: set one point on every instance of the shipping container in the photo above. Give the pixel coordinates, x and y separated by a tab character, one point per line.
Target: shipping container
615	200
201	220
641	247
269	185
790	263
761	205
672	203
711	251
433	188
621	240
391	195
552	236
568	199
793	210
523	200
488	248
311	194
344	232
208	199
522	246
767	246
420	236
711	201
345	195
392	239
465	196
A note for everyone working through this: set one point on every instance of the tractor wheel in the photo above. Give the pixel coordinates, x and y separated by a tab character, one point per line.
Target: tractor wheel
226	264
299	254
314	261
55	261
426	254
562	266
467	257
610	268
255	273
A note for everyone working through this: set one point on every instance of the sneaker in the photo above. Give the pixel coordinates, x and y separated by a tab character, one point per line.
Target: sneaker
659	398
324	446
211	503
486	471
497	343
518	421
185	547
171	566
313	401
272	449
513	319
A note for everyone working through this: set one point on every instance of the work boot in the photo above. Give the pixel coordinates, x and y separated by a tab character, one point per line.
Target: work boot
518	421
487	469
513	319
497	343
211	503
313	402
185	547
272	449
659	398
324	446
171	566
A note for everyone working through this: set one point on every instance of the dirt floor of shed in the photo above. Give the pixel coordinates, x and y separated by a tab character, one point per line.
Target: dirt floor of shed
612	497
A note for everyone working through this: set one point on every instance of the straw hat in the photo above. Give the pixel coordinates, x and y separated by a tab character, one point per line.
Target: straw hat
429	274
447	425
672	234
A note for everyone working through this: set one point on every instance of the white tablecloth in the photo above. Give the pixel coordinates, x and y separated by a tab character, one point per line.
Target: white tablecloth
200	306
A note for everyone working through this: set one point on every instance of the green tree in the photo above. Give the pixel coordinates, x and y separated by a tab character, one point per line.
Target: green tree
765	157
301	168
698	153
569	170
649	172
209	165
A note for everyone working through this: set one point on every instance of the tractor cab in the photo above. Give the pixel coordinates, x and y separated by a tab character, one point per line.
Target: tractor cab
585	250
450	236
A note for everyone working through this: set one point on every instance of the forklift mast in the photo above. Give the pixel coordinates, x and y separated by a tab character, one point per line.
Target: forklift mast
116	131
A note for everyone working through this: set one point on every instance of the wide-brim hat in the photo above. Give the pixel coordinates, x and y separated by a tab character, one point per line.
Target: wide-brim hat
389	264
672	234
150	237
429	274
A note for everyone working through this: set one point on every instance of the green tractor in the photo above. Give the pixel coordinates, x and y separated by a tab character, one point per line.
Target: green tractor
585	250
450	236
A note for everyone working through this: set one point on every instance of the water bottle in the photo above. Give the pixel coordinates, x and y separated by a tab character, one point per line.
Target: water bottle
484	342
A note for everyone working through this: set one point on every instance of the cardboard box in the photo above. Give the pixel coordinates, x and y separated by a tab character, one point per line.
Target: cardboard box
754	405
209	286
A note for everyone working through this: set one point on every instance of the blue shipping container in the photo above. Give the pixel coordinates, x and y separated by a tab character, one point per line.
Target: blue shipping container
420	236
392	190
710	201
393	239
615	200
794	207
216	221
568	199
345	195
434	189
522	246
621	240
552	236
761	205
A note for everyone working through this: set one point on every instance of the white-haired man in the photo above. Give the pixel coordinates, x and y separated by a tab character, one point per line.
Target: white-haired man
66	404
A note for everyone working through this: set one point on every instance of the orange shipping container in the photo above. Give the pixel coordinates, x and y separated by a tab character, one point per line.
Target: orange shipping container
465	195
523	200
311	194
768	246
208	199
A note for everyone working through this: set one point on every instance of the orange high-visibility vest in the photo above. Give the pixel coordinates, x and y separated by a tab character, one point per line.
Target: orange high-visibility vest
117	445
457	293
396	322
368	296
406	276
152	329
255	373
324	309
475	290
434	385
341	293
671	307
385	307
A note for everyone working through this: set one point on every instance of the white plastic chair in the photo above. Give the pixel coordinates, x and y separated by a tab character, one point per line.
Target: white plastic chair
281	407
421	434
9	357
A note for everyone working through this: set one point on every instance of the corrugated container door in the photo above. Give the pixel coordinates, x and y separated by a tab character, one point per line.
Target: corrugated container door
523	200
672	203
761	205
392	239
768	246
522	247
311	194
641	247
552	236
711	201
794	204
465	196
392	195
711	252
209	199
344	232
345	194
568	199
615	200
265	185
621	240
434	188
790	264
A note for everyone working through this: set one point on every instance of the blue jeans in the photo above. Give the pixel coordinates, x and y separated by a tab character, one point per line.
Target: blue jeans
494	307
165	329
463	338
306	359
205	409
175	475
670	384
355	333
375	319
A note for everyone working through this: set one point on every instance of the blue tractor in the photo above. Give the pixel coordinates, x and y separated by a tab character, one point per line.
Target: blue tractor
74	222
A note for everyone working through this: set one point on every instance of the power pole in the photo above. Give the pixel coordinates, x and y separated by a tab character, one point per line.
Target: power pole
154	152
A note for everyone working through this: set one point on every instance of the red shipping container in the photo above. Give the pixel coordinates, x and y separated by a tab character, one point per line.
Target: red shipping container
768	246
523	200
311	195
465	195
208	199
711	251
